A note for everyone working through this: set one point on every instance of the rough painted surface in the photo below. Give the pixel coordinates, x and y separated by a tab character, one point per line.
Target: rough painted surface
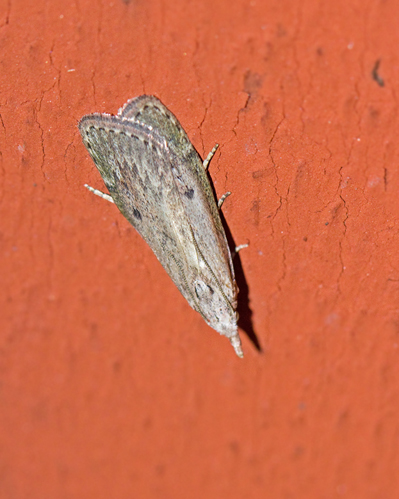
110	385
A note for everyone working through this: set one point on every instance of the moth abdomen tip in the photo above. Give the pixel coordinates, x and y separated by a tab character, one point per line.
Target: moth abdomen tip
236	344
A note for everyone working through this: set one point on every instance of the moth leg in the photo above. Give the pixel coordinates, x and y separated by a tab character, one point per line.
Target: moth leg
221	200
205	164
209	157
240	247
99	193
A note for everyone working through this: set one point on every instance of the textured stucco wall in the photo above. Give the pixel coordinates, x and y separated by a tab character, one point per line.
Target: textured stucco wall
110	385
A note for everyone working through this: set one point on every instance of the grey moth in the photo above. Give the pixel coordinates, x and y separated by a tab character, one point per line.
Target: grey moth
159	183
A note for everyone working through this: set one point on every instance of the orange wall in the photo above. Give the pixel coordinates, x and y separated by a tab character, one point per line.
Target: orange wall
110	385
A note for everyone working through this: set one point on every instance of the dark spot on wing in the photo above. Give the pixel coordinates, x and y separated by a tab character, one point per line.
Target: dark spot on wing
137	214
203	290
189	193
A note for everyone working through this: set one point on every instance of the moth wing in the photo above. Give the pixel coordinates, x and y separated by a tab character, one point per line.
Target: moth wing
149	110
135	166
193	184
157	180
138	105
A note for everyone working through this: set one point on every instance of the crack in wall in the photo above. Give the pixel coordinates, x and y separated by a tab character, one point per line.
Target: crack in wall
200	128
281	199
36	111
7	16
56	68
276	173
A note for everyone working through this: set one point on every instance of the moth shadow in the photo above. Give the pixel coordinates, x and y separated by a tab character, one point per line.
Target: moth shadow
244	311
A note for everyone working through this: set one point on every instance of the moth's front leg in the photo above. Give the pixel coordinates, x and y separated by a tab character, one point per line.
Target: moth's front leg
99	193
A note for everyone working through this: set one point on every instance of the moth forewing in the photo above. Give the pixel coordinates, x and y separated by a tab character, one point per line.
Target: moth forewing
207	227
150	111
157	180
192	179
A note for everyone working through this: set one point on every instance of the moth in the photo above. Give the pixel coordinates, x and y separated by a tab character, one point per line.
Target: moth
159	183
